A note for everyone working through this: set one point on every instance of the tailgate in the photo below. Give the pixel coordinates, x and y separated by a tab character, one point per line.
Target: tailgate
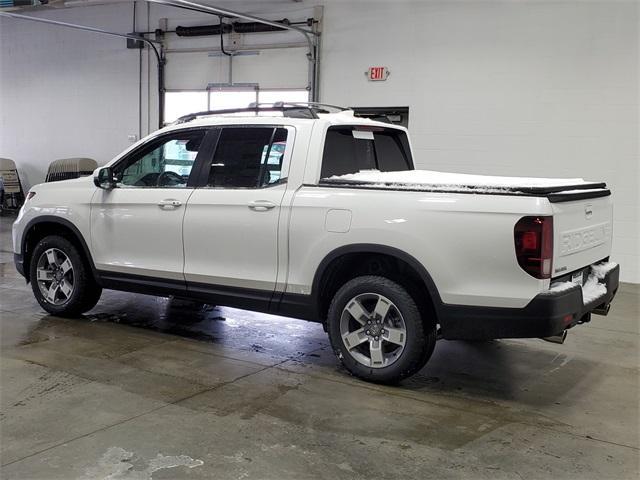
582	233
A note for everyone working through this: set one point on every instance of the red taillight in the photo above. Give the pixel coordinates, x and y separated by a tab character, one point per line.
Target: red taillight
533	237
529	241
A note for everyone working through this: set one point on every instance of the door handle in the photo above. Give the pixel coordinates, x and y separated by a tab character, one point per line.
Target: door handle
169	203
261	205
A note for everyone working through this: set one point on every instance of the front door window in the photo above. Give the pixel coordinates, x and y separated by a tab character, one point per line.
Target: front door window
164	163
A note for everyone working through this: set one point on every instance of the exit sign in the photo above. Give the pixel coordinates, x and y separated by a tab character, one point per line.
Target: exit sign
377	74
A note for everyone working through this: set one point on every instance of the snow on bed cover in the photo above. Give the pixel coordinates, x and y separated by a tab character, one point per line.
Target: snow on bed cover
592	288
457	181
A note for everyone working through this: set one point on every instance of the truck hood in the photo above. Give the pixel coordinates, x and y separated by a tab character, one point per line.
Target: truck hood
63	184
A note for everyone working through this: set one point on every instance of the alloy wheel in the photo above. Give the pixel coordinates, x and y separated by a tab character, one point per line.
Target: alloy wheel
373	330
55	276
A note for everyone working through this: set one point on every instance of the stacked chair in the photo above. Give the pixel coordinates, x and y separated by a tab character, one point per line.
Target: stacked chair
66	168
11	194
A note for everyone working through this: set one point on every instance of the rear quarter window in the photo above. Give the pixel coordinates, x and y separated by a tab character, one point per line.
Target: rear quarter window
349	149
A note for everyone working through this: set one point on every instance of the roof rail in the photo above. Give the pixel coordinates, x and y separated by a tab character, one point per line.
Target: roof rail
289	109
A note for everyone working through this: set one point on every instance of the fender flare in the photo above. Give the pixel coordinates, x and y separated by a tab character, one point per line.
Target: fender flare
380	249
61	221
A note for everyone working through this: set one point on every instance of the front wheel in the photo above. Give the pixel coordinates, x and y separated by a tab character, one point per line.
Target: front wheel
60	278
376	330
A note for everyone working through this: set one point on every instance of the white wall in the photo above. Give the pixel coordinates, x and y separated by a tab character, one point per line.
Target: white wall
502	87
66	93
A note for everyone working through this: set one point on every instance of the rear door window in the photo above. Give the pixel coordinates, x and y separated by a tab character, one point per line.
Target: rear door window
349	149
248	157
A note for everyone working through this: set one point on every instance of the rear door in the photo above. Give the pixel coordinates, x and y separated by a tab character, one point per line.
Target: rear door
231	222
582	233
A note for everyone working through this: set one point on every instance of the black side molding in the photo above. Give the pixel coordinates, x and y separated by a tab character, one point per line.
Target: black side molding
140	283
265	301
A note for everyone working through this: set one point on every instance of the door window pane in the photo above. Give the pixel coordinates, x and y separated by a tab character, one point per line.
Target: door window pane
272	164
248	157
166	163
177	104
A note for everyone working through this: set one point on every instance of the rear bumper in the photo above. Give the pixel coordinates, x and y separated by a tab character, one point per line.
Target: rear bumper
548	314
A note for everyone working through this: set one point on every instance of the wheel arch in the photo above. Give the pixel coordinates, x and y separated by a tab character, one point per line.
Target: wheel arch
45	225
322	290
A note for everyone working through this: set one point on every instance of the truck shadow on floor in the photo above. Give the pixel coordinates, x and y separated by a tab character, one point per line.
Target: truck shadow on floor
525	372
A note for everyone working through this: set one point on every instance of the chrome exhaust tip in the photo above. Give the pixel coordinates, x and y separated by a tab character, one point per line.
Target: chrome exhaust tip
559	339
602	309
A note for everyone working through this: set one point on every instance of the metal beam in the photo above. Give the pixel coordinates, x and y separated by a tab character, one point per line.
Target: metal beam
225	12
159	55
78	27
243	48
311	37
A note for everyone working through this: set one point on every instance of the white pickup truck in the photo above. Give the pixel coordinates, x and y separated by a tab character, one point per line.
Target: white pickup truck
311	212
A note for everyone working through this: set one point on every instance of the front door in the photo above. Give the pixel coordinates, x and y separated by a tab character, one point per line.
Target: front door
136	227
231	222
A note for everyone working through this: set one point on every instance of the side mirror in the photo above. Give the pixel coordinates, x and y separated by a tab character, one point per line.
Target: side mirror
104	179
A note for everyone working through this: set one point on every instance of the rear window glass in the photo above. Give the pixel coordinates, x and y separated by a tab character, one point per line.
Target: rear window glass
349	149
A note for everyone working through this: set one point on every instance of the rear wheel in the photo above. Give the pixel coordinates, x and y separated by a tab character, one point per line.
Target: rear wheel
61	279
376	330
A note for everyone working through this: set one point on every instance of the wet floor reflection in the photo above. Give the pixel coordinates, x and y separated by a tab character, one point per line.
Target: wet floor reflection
194	320
502	369
167	315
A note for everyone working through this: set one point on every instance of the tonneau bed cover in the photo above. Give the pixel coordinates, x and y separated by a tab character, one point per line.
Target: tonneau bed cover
556	190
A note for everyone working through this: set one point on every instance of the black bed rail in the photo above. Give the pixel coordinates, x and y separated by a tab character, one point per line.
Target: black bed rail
555	194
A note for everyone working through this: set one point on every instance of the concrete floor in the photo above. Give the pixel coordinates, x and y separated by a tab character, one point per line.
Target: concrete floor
146	387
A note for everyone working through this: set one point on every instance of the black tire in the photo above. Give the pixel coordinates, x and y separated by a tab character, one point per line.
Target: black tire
86	292
420	337
92	297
